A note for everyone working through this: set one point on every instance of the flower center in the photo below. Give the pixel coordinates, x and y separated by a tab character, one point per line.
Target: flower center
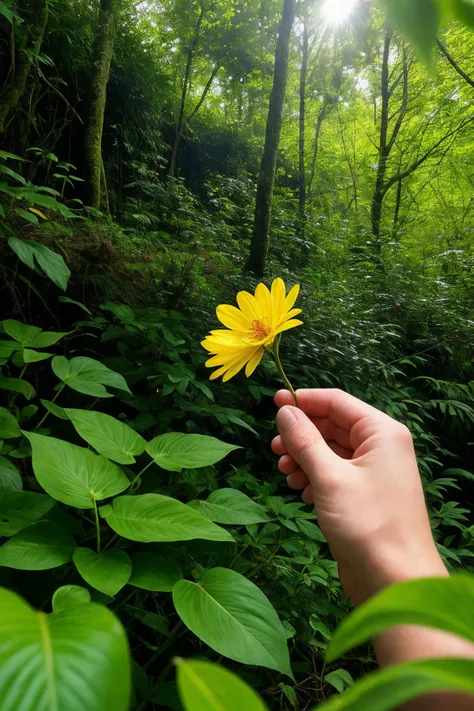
258	331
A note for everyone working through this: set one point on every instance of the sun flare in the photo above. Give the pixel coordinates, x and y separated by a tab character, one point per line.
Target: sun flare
336	12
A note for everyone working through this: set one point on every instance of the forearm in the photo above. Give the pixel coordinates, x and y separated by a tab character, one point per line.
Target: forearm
404	644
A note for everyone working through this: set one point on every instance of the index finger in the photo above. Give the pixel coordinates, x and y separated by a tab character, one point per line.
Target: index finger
343	409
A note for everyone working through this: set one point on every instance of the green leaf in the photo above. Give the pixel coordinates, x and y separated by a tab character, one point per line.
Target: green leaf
52	264
23	251
21	332
463	10
67	300
154	573
88	376
232	507
233	616
152	620
7	348
54	409
9	427
175	451
42	546
4	155
46	339
19	509
74	475
419	21
393	687
70	595
154	518
204	686
7	12
73	659
11	174
339	679
107	572
427	602
310	530
17	386
30	356
10	479
28	216
110	437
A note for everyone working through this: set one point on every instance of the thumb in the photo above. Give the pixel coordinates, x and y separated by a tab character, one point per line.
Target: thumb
305	444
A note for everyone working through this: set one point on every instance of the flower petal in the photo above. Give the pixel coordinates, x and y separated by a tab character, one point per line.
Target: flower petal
286	317
291	298
233	318
278	301
254	362
289	324
248	304
235	369
264	300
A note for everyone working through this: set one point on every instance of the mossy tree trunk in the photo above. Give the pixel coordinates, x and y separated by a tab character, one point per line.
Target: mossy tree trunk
28	38
266	177
302	124
102	58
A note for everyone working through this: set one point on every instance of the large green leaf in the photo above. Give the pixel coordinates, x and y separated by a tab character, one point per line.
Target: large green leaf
232	507
463	10
155	573
72	474
234	617
9	427
88	376
427	602
204	686
107	572
8	347
31	336
75	659
42	546
393	687
52	264
175	451
10	479
419	21
30	356
110	437
19	509
153	517
16	385
70	595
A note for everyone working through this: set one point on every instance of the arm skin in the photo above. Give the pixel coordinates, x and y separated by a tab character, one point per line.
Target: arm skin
357	466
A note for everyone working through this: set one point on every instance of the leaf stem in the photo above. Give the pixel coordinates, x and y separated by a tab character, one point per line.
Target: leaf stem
97	525
276	355
43	420
140	473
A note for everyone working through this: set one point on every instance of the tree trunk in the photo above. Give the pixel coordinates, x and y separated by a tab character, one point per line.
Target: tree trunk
317	135
266	178
173	164
378	196
302	166
102	58
35	18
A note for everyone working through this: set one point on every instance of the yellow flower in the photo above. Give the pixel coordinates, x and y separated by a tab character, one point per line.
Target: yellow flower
253	327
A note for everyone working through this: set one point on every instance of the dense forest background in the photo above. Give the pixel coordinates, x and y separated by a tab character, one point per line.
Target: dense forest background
145	166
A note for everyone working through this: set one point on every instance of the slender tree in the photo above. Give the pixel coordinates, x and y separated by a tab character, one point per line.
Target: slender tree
34	17
302	122
266	177
102	58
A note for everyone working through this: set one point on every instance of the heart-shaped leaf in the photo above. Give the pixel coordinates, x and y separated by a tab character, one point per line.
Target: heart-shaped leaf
74	475
73	659
31	336
155	573
110	437
70	595
107	572
234	617
9	427
15	385
232	507
204	686
153	517
42	546
30	356
175	451
19	509
88	376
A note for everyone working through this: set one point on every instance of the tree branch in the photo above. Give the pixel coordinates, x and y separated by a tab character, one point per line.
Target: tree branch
455	65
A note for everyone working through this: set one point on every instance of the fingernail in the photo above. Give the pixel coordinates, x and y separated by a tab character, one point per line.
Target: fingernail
286	418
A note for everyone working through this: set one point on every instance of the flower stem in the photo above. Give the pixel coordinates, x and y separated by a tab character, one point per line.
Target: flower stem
276	356
97	525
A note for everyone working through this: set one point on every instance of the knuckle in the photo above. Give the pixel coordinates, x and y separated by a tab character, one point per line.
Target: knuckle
402	433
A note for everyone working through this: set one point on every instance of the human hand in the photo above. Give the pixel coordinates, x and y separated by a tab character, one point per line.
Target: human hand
358	467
